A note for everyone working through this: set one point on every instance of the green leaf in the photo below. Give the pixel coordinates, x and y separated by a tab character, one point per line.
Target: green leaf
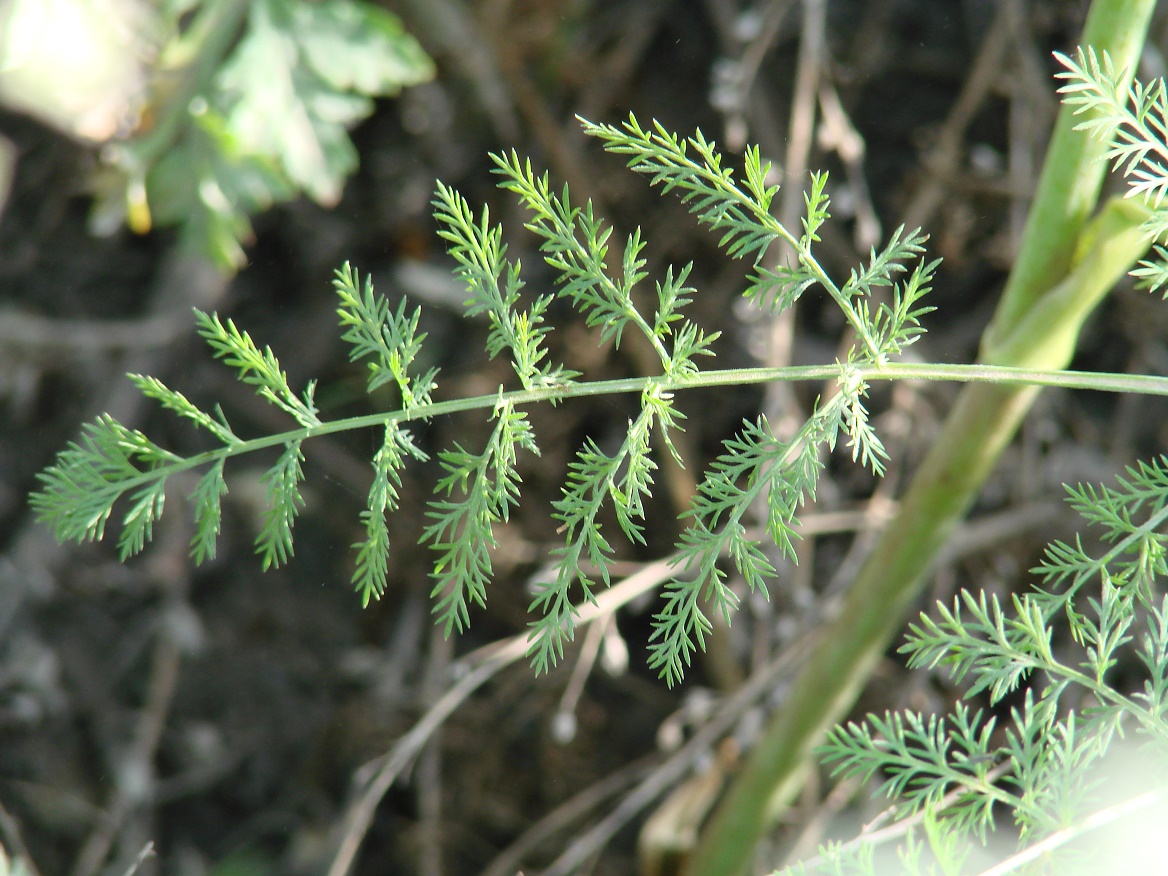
708	188
369	576
77	493
359	47
208	183
208	512
922	759
152	387
138	523
816	201
282	480
391	339
575	244
494	286
866	445
884	264
461	533
257	117
259	368
296	83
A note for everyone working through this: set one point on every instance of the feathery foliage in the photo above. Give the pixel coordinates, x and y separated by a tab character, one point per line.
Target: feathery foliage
1134	121
479	488
1049	766
956	774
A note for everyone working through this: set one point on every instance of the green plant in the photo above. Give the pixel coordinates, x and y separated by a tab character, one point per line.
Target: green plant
249	106
1051	765
1072	252
478	489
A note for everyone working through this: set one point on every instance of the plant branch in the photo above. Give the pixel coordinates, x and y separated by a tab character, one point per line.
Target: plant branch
1047	279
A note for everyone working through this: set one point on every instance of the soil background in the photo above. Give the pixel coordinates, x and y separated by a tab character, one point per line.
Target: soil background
229	716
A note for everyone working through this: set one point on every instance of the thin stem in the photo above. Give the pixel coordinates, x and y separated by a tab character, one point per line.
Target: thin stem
1098	381
1095	821
1065	266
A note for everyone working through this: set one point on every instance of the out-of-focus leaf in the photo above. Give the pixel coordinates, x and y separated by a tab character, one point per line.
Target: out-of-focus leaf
208	185
269	122
359	47
304	73
75	64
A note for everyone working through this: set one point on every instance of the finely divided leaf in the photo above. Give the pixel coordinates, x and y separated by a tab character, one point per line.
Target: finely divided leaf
259	368
152	387
494	286
208	513
138	523
369	576
390	338
461	533
274	543
78	491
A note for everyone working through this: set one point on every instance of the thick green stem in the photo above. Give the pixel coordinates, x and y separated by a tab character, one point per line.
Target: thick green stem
1064	268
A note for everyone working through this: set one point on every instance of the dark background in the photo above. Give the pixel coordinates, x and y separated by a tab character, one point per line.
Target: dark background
224	713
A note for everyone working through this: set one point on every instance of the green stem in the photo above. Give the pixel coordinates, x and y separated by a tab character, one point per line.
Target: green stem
1064	268
989	375
974	374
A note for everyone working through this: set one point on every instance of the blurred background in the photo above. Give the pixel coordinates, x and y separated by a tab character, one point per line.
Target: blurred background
230	156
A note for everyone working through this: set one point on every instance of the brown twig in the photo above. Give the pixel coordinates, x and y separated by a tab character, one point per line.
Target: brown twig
136	772
134	788
378	777
508	862
29	333
430	761
942	160
674	769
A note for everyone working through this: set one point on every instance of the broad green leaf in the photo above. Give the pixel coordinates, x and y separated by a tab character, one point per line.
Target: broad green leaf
304	73
359	47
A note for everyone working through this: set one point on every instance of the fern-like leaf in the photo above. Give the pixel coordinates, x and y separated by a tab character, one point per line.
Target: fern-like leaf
152	387
596	478
369	576
753	464
461	533
494	285
389	338
77	493
207	498
282	483
258	368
